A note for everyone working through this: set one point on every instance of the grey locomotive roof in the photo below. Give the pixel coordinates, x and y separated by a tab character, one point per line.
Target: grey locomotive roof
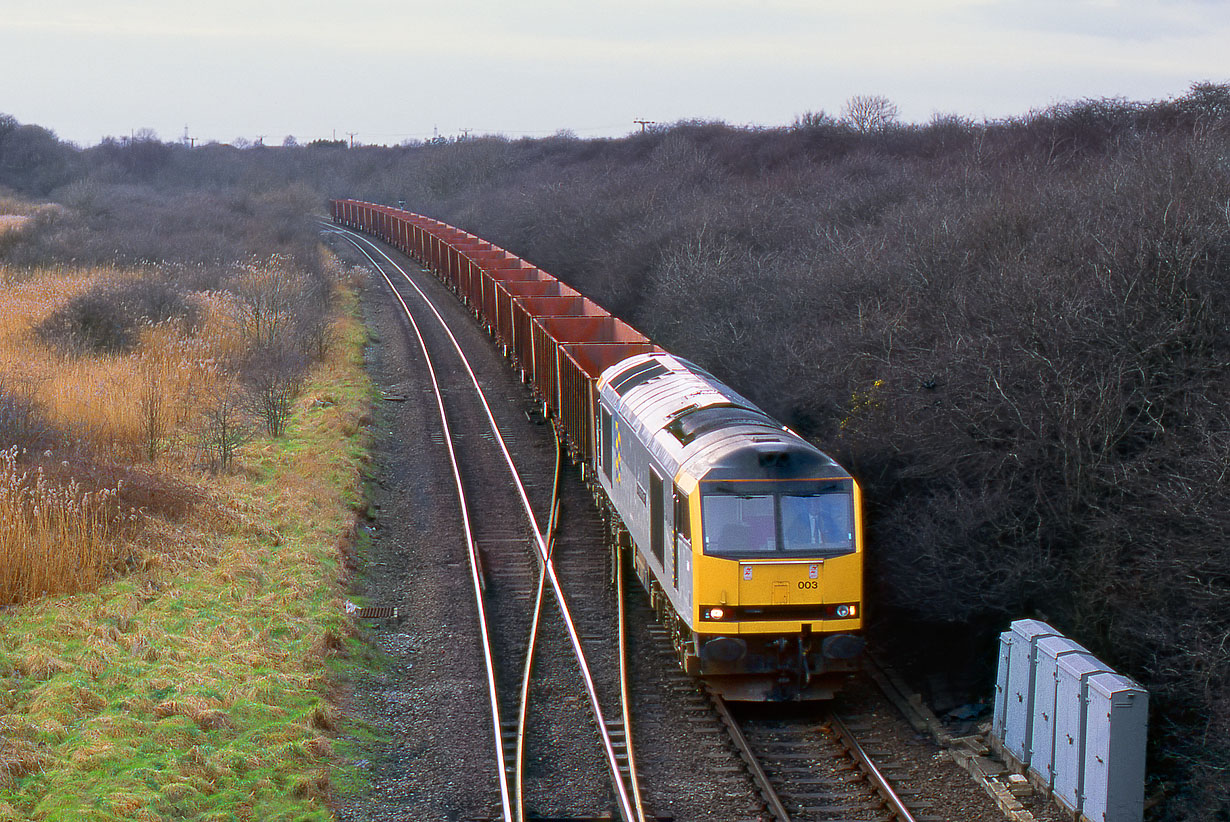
729	435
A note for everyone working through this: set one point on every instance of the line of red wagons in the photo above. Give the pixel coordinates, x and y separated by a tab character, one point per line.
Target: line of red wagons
559	339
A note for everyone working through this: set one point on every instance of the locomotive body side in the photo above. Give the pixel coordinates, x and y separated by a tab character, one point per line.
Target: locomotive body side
747	538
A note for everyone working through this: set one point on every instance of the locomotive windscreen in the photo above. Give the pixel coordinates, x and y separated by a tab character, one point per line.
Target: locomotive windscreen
778	519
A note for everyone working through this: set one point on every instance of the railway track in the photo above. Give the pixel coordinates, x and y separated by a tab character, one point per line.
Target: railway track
808	765
508	557
805	762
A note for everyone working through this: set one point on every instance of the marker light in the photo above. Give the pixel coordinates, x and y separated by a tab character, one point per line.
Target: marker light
844	611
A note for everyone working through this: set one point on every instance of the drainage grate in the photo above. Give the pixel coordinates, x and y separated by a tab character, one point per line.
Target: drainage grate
371	611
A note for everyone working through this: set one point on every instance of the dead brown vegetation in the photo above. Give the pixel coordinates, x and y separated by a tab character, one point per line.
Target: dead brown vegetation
113	384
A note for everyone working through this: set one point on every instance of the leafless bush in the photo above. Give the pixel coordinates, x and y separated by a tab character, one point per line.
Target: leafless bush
109	319
223	429
1208	101
154	411
272	380
814	120
21	422
32	159
267	292
123	224
314	331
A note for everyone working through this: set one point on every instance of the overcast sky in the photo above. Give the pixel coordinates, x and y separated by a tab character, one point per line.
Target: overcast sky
391	70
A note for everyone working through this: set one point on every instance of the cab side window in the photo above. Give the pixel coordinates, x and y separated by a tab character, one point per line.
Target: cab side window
683	524
607	447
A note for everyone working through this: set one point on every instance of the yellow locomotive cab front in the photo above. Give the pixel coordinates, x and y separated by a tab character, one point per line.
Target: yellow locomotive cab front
778	585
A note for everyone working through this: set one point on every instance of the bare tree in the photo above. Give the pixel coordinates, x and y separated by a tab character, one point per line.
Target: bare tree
868	113
271	383
268	293
224	428
813	120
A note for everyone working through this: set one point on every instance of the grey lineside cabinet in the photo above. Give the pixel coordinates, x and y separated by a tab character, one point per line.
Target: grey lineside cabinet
1018	662
1077	726
1051	649
1117	710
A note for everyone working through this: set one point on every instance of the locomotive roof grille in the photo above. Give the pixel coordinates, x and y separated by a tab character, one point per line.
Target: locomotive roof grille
687	427
625	381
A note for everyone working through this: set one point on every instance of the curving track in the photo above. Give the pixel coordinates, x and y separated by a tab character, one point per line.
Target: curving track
497	578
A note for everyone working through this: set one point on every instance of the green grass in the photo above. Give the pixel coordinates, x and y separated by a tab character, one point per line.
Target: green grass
198	688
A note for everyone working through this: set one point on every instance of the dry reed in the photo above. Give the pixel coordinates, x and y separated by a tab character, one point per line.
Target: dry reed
56	538
59	534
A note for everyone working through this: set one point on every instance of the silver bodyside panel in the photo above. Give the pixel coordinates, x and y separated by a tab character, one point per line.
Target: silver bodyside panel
648	408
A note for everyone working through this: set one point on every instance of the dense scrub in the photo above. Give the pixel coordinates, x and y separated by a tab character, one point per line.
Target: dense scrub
198	685
166	634
1016	334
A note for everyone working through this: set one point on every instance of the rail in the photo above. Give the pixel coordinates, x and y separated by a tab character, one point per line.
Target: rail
878	781
471	548
527	674
768	793
844	737
621	790
624	702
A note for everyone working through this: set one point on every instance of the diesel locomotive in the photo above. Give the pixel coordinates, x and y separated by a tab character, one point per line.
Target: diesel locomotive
747	538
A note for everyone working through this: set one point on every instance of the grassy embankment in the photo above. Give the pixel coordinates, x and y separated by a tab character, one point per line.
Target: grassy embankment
188	676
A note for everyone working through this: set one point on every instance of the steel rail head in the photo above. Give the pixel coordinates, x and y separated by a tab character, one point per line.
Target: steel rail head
773	802
624	702
476	577
523	714
527	675
878	781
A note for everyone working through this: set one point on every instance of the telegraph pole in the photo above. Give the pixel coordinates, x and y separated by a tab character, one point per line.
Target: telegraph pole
643	123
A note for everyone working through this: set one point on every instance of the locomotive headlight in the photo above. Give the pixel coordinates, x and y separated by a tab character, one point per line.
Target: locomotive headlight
716	613
844	611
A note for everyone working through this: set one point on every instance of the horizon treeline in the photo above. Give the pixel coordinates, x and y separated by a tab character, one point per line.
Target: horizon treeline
1016	334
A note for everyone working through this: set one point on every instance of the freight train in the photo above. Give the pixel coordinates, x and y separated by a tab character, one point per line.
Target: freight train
748	539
